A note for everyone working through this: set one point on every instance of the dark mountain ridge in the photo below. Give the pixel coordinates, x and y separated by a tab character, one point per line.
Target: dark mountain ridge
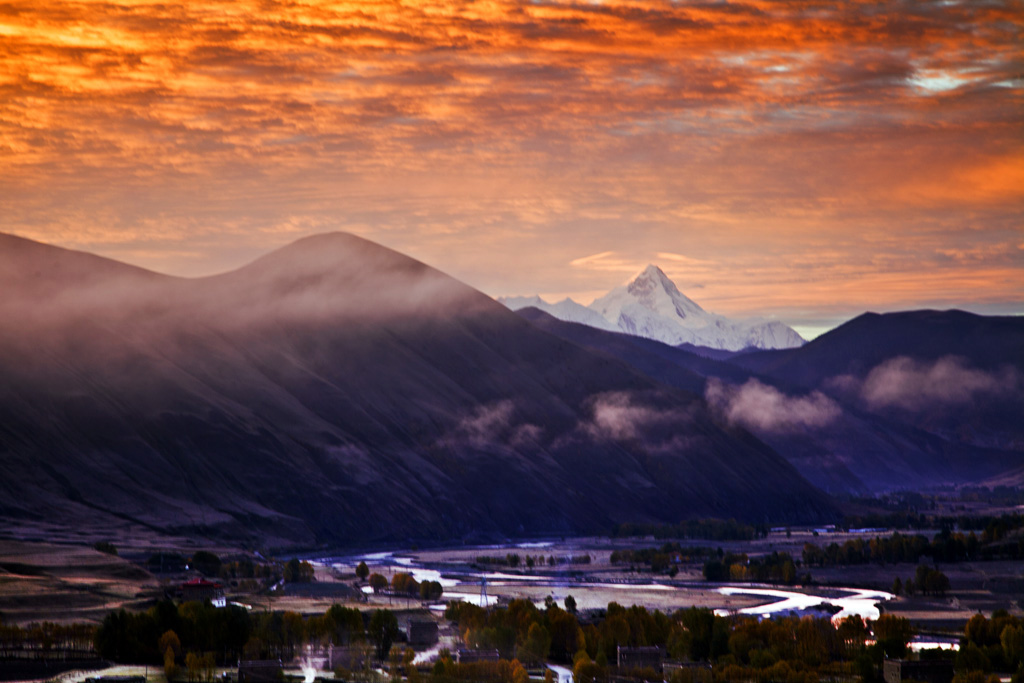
835	441
952	373
336	391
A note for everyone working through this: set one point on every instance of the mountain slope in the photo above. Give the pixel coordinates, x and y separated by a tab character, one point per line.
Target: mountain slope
335	391
952	373
836	444
566	309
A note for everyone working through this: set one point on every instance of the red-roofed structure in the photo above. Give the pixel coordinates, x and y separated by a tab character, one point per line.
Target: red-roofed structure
200	590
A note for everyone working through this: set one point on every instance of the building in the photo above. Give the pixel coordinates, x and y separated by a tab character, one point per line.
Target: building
260	671
422	633
466	656
628	658
924	671
201	590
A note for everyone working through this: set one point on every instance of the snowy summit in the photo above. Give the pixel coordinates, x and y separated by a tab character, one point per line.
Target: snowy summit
651	306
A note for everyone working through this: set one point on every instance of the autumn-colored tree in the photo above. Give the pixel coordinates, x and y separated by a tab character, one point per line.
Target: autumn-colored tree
431	590
378	582
537	646
403	582
170	640
1012	641
207	665
170	668
893	633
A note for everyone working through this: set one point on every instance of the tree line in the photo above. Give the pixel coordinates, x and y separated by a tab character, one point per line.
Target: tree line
945	546
46	640
227	634
790	649
403	583
530	561
664	558
776	567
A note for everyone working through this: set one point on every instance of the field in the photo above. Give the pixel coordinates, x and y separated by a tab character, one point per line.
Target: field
68	583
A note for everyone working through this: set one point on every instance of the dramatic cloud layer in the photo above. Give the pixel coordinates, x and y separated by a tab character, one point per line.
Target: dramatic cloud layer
792	158
764	408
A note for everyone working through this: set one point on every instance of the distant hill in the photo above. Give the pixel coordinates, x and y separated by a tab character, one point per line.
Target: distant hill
651	306
952	373
832	438
336	391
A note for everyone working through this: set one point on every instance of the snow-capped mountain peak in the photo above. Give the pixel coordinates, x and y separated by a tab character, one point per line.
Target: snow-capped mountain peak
566	309
653	290
650	305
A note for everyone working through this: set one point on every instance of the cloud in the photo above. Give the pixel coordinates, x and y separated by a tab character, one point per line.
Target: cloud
487	422
494	423
621	416
913	385
474	135
607	261
764	408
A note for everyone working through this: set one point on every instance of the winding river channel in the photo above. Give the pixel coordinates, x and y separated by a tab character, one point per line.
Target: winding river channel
468	583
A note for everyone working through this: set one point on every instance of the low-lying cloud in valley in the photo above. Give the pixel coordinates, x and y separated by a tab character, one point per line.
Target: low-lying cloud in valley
761	407
494	423
617	416
906	383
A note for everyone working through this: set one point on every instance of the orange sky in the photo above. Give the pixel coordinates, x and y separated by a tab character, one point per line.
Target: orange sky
805	160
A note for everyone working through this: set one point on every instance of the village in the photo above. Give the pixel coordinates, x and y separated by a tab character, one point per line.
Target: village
607	610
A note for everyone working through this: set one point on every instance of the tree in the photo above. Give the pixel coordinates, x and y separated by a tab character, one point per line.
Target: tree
347	624
431	590
788	573
570	604
362	571
403	582
378	582
852	632
537	646
1012	640
972	658
893	633
564	631
298	572
170	668
383	631
193	665
936	583
169	640
207	664
897	586
206	562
